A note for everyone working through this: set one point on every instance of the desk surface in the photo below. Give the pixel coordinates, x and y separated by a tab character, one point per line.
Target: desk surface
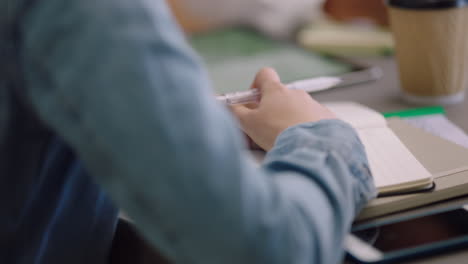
383	95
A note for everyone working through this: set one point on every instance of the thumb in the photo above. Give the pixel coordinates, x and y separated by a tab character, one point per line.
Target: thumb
265	75
268	82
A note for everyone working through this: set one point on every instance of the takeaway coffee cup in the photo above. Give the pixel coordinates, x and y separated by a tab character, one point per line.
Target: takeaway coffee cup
431	42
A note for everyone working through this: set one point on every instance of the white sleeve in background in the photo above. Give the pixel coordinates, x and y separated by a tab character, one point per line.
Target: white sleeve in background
277	18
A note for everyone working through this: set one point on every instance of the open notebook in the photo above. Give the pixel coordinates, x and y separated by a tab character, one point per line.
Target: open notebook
393	166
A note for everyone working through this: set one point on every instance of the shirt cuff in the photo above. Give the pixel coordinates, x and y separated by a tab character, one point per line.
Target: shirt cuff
328	136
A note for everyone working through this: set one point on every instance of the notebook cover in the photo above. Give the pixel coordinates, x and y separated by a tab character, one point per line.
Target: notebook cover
447	161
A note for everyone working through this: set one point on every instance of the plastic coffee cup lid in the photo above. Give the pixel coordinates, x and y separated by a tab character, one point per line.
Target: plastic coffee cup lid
427	4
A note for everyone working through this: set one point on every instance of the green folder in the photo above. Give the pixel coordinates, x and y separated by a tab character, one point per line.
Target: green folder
233	57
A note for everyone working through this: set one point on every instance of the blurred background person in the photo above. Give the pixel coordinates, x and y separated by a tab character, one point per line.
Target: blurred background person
276	18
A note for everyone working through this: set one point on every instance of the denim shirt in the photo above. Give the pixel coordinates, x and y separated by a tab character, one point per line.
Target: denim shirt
117	82
51	210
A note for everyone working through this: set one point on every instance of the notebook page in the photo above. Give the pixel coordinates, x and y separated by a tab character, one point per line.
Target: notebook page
393	166
358	116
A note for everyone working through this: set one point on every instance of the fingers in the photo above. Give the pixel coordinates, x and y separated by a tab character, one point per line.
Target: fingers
240	111
267	80
251	105
265	75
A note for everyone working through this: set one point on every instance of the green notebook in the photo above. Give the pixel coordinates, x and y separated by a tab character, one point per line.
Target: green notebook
233	57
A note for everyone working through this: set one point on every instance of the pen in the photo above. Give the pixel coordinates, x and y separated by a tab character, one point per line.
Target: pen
308	85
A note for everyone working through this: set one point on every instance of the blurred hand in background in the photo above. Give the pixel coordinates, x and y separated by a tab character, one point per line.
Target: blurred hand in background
347	10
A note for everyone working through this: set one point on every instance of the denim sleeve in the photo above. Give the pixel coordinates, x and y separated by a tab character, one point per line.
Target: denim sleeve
116	79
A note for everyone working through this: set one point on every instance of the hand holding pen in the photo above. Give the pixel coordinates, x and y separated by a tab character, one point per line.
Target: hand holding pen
278	109
253	95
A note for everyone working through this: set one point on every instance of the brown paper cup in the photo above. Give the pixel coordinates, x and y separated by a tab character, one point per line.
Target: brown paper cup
431	43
